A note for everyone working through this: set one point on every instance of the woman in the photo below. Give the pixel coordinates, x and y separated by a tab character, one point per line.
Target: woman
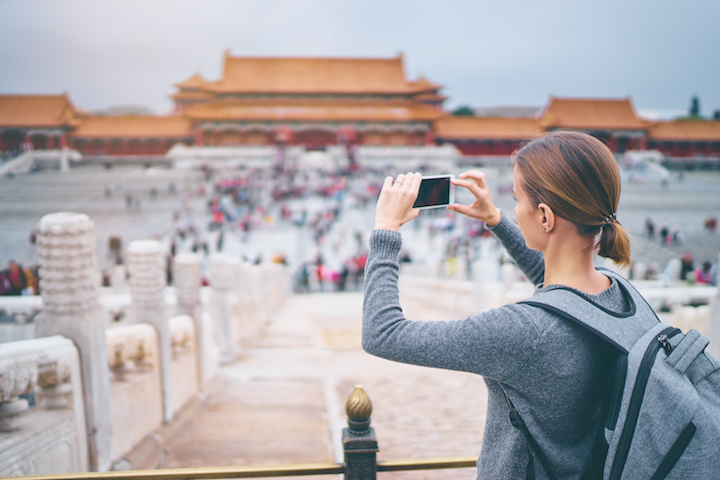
567	188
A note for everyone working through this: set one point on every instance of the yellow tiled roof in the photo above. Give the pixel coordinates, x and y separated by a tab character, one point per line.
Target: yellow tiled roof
288	110
49	111
194	82
591	114
133	126
317	75
686	130
486	128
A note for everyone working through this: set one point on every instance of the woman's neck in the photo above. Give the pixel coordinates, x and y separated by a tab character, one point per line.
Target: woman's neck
570	263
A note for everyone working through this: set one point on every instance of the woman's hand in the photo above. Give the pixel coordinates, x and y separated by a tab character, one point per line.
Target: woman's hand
483	207
395	204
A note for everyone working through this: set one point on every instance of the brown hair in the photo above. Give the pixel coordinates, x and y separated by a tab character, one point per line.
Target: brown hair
578	178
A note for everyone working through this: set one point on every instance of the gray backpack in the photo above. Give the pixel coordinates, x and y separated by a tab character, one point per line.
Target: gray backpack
661	414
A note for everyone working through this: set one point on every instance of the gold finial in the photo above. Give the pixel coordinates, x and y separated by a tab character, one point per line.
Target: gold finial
358	406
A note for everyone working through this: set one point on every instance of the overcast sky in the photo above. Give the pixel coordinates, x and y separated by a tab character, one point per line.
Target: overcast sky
486	53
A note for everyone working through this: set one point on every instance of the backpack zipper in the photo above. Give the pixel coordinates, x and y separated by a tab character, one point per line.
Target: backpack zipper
665	343
636	399
675	452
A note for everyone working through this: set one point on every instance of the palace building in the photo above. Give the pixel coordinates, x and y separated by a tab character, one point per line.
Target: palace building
318	102
310	101
41	122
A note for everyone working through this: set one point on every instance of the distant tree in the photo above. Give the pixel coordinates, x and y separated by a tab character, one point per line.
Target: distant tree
694	111
716	115
464	110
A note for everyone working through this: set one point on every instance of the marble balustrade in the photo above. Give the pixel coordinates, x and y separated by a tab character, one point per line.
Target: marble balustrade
109	365
49	437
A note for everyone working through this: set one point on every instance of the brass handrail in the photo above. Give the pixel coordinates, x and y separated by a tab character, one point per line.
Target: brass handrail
297	470
201	473
426	464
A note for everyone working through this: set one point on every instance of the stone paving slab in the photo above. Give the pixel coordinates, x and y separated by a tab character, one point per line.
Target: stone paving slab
282	402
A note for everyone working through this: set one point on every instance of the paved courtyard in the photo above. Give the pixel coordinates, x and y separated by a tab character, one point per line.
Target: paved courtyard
283	400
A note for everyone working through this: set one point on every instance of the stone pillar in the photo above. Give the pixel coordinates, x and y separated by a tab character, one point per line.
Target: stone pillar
70	279
359	441
64	160
222	276
146	266
186	278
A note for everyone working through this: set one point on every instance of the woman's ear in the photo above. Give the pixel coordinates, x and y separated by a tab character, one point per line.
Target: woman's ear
546	217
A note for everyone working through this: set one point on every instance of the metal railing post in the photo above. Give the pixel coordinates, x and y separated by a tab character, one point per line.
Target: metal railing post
359	442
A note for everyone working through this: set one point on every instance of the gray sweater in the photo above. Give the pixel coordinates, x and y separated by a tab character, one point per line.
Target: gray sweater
553	371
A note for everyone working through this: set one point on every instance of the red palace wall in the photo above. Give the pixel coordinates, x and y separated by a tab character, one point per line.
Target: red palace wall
685	149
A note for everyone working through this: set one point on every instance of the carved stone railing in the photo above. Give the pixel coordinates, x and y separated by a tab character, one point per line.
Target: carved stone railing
222	278
184	362
146	266
136	408
51	436
186	278
70	292
360	446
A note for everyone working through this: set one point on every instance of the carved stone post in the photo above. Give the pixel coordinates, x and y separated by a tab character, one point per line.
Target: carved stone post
54	385
186	278
222	275
359	442
69	278
17	377
146	266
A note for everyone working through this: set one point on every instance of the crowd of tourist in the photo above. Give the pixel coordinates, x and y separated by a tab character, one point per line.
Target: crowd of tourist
240	204
19	280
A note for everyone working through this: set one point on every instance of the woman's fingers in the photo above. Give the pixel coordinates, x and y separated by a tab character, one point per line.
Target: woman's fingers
396	199
477	176
477	191
412	181
464	209
387	183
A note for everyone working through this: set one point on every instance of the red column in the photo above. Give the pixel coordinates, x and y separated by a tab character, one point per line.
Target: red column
51	142
63	140
613	143
429	137
218	138
197	137
28	142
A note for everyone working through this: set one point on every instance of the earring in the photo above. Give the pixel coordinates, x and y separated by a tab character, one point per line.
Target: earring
545	228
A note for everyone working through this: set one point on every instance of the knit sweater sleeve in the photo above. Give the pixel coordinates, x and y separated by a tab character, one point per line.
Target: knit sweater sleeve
530	262
496	343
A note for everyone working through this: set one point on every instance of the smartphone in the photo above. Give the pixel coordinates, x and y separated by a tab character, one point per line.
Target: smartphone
435	191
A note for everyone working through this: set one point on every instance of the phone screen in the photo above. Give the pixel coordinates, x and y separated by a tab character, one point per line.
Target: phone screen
433	191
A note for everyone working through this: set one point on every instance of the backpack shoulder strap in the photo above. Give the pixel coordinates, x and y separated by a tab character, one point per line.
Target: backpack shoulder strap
620	329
